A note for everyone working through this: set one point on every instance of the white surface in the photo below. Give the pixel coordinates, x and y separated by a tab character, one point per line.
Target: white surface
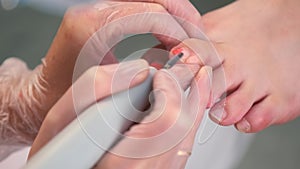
16	160
218	147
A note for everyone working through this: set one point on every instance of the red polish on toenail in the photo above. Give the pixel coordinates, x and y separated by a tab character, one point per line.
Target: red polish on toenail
177	51
156	65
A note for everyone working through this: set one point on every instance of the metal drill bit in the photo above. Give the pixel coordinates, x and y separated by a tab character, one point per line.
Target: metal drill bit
173	61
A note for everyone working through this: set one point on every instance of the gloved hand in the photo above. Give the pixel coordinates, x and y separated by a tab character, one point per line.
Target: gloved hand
173	114
98	27
184	12
27	96
164	139
97	78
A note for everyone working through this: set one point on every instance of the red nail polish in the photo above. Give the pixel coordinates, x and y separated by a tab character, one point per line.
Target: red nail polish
156	65
177	51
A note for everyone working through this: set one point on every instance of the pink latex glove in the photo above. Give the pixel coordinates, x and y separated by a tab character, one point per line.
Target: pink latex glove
172	113
185	13
27	96
89	32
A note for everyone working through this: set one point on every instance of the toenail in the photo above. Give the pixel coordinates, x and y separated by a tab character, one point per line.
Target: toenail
243	126
218	115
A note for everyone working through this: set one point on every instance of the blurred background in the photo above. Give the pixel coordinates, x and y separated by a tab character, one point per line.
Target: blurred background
26	32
